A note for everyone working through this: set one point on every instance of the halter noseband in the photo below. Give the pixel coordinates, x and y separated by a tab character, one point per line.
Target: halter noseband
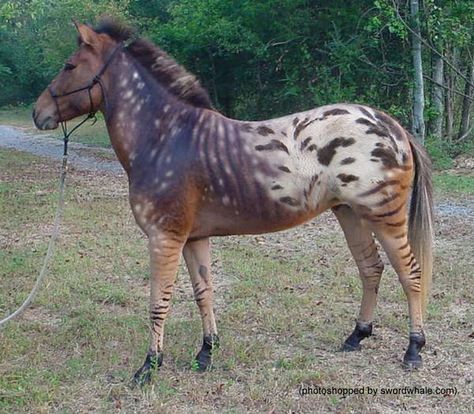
91	115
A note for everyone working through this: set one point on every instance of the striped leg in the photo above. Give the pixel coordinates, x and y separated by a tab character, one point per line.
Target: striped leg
197	257
362	246
165	251
395	242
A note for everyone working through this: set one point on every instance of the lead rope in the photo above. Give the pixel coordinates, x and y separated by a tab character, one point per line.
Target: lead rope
59	210
52	240
62	180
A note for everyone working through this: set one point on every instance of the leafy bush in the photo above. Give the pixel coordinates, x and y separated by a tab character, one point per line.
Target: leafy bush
440	153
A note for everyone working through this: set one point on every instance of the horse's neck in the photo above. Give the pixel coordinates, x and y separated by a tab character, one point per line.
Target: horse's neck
136	107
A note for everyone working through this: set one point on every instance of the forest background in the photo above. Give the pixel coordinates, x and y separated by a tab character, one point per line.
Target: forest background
266	58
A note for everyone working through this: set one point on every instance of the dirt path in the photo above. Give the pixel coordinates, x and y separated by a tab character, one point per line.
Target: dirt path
81	156
87	158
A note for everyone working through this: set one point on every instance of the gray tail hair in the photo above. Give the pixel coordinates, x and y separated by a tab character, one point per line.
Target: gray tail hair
420	223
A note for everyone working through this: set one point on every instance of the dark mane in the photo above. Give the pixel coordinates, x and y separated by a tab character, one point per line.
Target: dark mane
163	67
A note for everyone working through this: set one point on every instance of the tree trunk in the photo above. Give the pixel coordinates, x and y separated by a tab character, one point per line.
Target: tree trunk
466	102
450	83
437	96
418	127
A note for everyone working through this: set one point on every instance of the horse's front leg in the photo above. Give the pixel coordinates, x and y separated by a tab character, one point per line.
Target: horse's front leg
197	256
165	250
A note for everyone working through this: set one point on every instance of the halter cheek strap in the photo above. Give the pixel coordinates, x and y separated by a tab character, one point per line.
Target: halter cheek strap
92	111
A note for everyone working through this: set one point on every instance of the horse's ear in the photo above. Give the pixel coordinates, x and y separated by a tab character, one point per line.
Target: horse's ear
86	34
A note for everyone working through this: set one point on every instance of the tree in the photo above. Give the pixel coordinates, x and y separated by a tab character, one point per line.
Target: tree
418	127
467	100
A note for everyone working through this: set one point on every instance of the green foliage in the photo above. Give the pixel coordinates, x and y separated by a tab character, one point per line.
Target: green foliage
37	36
450	21
257	59
440	152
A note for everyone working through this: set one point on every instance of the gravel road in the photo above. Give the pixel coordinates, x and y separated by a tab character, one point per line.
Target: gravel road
80	156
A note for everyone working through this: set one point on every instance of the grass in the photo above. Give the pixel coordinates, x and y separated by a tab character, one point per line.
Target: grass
284	303
91	134
447	182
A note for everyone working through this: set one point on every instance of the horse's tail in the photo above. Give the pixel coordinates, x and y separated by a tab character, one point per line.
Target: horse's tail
420	224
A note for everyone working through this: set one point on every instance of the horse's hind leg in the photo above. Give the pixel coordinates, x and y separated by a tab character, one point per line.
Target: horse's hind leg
394	240
362	246
198	260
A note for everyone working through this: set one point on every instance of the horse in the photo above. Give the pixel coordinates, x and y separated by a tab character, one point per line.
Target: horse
194	173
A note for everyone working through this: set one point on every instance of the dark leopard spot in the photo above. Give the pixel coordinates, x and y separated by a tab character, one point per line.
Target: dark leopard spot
390	123
347	178
336	111
290	201
302	125
264	130
326	153
377	131
387	157
272	146
365	121
305	143
284	169
348	160
366	112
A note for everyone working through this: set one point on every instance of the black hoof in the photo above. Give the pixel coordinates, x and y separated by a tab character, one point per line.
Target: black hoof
352	343
412	358
152	362
203	360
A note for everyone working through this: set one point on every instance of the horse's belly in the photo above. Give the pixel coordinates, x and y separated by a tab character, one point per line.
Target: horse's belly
221	222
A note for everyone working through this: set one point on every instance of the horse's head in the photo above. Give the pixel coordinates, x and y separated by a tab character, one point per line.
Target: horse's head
56	103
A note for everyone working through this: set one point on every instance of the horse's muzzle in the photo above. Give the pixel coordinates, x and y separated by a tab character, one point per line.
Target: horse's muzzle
44	122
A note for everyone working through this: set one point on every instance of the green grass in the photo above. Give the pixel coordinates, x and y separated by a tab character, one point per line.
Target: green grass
453	183
91	134
17	116
284	303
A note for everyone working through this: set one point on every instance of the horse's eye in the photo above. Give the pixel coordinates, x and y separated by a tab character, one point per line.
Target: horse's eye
69	66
